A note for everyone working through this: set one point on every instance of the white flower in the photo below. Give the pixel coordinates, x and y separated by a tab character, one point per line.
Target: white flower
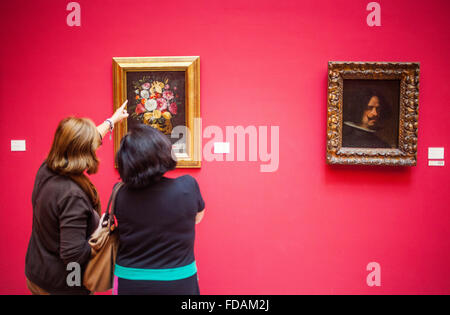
137	92
150	105
145	94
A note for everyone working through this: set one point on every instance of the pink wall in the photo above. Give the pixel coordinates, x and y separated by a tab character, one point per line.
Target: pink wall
307	228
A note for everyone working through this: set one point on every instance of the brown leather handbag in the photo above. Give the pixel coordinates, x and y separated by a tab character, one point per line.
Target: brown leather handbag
99	273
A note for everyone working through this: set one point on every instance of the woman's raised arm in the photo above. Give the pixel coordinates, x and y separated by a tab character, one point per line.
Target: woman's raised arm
120	114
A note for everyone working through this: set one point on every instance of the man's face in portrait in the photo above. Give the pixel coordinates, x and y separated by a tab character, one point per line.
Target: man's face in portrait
370	118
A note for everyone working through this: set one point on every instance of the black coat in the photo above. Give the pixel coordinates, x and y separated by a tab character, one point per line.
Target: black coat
357	138
63	220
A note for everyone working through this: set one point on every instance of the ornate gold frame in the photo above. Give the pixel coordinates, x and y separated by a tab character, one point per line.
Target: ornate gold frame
191	66
408	74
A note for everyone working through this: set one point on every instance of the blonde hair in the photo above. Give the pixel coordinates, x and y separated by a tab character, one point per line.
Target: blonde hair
73	152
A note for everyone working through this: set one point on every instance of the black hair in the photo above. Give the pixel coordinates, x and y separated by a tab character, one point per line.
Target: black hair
144	156
357	103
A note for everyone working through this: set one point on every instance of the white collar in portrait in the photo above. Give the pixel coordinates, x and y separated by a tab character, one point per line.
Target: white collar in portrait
349	123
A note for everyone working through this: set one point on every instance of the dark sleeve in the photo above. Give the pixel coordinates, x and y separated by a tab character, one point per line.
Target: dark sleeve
74	246
198	196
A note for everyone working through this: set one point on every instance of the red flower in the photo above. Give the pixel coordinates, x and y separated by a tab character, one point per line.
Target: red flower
162	103
140	109
173	108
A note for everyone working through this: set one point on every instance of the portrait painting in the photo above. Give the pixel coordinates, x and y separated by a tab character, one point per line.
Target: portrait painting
163	93
372	113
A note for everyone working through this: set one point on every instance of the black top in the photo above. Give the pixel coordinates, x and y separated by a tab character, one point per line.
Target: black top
156	224
357	138
63	219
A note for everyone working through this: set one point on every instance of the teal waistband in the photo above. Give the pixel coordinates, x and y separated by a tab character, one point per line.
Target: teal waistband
156	274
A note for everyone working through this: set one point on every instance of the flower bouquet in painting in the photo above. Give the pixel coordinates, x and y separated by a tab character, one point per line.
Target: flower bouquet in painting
156	103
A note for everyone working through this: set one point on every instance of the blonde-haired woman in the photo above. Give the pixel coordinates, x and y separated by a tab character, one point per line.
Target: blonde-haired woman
66	206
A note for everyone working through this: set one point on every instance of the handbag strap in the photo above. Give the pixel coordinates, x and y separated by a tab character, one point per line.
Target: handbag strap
110	211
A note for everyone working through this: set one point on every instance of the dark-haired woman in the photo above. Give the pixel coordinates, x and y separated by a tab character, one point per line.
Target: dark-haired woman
66	208
156	218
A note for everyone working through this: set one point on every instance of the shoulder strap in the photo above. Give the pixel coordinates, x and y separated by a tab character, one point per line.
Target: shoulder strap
110	211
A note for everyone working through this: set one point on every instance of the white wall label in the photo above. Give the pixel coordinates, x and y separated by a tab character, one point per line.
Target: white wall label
18	145
221	147
436	153
436	163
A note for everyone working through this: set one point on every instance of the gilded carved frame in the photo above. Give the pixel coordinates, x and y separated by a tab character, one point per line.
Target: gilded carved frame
406	152
191	67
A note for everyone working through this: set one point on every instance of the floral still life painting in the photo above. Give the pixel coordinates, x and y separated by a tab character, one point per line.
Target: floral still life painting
156	99
163	93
